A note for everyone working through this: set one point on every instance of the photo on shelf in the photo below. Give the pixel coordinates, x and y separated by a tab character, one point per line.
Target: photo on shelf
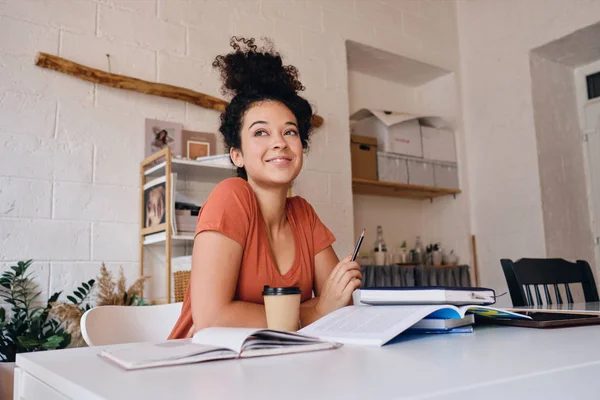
198	144
160	134
155	202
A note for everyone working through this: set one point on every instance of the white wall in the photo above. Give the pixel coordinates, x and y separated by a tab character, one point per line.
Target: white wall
70	150
495	41
444	221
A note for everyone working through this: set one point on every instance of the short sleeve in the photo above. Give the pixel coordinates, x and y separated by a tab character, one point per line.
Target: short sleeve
322	236
228	210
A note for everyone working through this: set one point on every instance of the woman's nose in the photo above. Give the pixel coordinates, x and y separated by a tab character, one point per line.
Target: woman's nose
278	142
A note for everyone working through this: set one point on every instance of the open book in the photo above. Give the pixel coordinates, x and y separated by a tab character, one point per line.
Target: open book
213	344
377	325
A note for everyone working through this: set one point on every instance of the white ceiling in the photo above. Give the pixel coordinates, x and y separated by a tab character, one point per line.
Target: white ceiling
389	66
580	48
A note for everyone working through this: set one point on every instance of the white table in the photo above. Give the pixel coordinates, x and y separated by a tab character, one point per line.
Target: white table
494	362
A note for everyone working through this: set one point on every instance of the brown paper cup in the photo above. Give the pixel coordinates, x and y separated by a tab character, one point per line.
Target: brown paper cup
282	306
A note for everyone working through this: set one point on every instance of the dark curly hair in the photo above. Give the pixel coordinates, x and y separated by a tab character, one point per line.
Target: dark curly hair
252	75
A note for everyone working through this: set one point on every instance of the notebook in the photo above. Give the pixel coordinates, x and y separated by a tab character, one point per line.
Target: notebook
376	325
442	324
213	344
427	295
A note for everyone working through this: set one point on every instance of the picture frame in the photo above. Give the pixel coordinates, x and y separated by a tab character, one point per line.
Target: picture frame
198	144
155	202
160	134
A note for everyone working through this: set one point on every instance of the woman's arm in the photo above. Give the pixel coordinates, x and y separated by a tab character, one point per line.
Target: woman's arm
216	261
334	283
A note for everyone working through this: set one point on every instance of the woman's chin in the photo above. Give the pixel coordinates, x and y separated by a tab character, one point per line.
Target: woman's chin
281	178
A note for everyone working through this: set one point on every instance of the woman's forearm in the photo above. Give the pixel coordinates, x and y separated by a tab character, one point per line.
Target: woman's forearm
241	314
308	312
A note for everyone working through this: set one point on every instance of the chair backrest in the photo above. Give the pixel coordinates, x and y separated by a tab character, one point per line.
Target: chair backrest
549	273
106	325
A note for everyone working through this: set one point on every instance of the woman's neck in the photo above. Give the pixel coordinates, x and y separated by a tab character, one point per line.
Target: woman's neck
271	202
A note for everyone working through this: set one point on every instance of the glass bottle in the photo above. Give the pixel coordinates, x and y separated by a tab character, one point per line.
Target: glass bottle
380	248
419	251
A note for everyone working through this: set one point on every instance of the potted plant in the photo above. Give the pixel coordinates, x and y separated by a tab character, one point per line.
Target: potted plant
111	292
26	327
434	256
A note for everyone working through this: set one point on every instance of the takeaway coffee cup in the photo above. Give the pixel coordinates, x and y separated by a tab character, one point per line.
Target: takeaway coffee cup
282	306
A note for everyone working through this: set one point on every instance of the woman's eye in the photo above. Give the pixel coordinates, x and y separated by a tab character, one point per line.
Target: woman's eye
260	133
292	132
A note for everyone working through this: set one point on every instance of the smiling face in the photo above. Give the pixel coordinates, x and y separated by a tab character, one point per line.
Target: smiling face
271	149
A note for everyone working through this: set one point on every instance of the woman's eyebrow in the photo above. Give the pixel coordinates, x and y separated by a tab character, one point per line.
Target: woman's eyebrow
291	123
256	122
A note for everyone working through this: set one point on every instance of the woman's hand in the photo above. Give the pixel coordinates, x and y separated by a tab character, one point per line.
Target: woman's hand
342	281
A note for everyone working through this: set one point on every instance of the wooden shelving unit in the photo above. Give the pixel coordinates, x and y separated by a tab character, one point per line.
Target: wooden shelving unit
390	189
160	164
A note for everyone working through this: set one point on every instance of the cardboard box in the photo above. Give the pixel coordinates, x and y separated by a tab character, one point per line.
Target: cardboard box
421	173
392	168
446	175
398	133
438	144
363	152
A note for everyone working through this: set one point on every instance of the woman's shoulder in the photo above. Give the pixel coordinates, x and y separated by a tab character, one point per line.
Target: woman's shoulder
232	186
232	191
300	205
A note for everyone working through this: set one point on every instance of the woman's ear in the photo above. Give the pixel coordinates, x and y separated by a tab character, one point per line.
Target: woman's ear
236	157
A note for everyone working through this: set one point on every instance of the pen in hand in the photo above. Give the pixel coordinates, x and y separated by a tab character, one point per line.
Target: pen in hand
360	239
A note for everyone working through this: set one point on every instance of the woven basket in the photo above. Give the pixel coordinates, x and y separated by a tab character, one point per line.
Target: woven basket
181	282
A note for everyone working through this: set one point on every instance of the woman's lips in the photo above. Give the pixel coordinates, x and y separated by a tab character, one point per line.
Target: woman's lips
279	161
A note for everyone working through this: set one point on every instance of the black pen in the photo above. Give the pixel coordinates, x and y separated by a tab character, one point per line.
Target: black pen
360	239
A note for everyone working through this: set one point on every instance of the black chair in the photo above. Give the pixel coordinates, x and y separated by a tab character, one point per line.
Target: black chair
526	273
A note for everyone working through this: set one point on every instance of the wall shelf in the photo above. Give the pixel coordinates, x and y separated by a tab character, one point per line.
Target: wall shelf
205	171
391	189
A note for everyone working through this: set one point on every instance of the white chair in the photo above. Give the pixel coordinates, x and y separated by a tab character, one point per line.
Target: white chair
127	324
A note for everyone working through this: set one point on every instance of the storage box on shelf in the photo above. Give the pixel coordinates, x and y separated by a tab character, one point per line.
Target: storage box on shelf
413	160
446	175
392	168
363	153
164	164
395	132
438	144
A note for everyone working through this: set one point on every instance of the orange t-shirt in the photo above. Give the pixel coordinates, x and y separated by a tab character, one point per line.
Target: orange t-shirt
232	209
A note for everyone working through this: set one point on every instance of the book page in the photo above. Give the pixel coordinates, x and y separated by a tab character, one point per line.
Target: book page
371	325
229	338
144	355
238	339
266	349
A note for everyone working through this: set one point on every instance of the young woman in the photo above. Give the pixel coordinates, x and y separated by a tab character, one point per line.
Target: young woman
249	233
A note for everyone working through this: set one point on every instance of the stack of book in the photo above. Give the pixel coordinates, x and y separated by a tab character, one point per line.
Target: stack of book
459	305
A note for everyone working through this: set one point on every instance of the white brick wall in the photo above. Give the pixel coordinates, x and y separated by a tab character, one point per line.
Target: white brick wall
70	150
25	113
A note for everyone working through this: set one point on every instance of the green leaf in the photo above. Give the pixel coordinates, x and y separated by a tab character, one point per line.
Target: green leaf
28	342
55	339
54	297
78	295
85	285
72	299
91	282
50	346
